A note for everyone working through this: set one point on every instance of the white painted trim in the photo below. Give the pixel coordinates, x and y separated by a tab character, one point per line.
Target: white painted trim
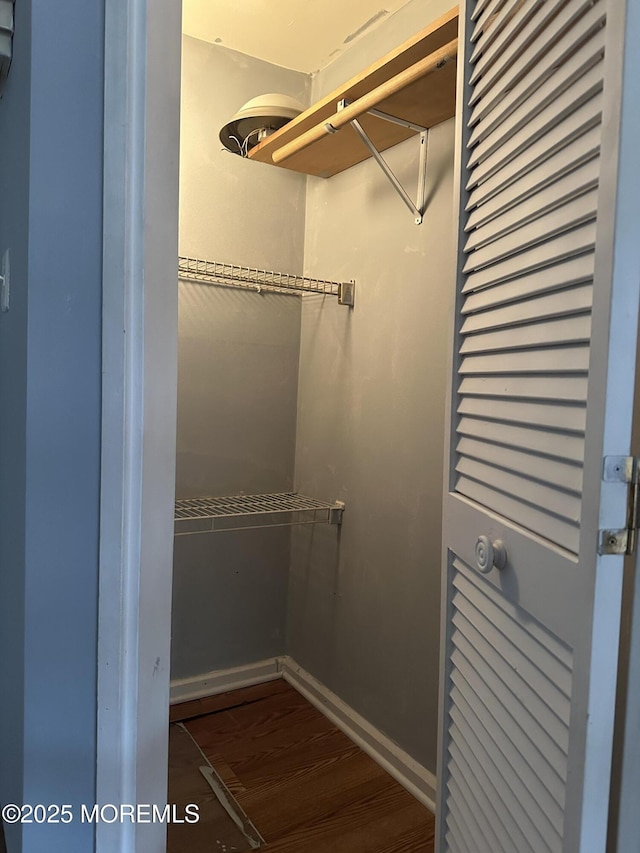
419	781
627	264
139	367
122	389
222	680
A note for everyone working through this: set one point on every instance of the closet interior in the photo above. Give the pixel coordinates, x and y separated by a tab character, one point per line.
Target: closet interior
313	323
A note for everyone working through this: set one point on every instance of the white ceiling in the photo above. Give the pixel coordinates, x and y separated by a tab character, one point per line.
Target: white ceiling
304	35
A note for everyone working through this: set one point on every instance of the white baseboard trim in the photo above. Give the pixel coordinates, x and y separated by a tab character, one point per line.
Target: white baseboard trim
222	680
398	763
406	770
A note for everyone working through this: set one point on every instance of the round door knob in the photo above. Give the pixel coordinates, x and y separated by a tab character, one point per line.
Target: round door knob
490	554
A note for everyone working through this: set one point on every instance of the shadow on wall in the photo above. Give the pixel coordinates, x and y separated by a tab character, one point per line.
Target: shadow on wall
316	589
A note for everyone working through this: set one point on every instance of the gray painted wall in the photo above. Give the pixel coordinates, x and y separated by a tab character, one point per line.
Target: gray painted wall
51	169
232	209
14	227
364	607
384	36
238	367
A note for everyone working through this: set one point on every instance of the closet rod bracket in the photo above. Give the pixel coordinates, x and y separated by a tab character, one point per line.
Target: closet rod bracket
347	293
416	209
336	512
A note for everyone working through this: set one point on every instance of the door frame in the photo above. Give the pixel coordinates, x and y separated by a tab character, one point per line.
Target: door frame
141	132
627	816
139	376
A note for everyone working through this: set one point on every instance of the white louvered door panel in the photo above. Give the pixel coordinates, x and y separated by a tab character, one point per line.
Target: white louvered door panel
547	302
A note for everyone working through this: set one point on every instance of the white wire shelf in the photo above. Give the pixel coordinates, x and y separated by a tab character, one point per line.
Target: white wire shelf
248	512
250	278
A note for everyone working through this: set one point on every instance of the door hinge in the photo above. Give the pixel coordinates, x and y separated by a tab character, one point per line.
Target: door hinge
623	469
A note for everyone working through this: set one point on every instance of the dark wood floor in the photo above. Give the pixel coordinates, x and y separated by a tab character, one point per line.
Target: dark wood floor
304	784
215	830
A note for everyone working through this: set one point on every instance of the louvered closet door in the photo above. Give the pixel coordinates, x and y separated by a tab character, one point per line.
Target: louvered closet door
541	390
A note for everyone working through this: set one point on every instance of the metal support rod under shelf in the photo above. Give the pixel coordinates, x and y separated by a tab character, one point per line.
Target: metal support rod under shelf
417	210
251	278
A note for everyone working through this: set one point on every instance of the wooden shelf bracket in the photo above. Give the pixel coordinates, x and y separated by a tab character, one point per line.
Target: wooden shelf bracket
416	209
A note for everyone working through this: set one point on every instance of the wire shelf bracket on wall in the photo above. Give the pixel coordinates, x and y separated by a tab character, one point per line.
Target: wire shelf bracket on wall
251	512
251	278
418	208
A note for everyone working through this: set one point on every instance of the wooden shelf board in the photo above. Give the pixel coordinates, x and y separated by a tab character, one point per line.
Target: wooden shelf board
427	102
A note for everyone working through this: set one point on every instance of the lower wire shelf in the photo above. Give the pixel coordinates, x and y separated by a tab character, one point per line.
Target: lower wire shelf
249	512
